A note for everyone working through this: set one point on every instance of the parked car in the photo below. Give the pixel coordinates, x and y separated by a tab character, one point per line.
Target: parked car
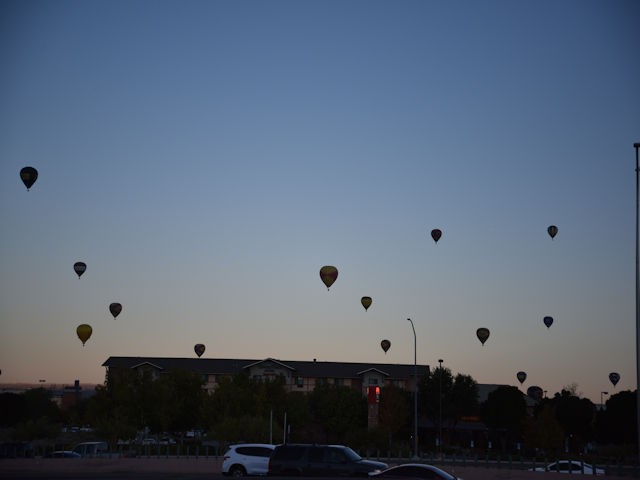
247	459
320	460
63	454
92	449
563	466
414	470
167	441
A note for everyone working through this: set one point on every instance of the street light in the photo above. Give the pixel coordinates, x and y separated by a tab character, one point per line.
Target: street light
415	390
637	146
440	420
602	404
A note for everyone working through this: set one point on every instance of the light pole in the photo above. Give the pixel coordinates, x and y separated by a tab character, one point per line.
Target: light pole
601	394
637	146
415	390
440	419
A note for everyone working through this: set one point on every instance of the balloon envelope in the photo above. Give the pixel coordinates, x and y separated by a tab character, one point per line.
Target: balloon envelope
548	321
84	332
522	376
385	344
535	392
79	268
552	231
436	234
29	175
328	275
482	334
115	309
366	302
199	349
614	378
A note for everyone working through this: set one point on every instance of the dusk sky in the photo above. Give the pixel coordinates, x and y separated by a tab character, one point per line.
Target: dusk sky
207	158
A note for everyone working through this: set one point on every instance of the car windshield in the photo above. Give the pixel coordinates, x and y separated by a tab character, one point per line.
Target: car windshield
351	455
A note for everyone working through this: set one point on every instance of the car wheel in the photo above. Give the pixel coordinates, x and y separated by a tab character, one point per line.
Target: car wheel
237	471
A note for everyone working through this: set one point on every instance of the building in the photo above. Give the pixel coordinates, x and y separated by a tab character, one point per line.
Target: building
300	376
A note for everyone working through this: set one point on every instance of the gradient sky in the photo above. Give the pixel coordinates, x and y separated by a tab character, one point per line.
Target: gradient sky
206	158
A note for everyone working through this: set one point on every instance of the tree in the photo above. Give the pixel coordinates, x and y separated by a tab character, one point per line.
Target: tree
393	410
543	431
618	423
576	416
338	409
459	395
505	409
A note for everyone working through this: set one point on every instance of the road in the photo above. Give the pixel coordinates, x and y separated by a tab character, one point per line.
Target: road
194	469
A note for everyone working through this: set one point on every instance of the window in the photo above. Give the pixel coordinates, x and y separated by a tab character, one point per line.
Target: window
338	381
257	378
373	381
336	455
299	382
321	381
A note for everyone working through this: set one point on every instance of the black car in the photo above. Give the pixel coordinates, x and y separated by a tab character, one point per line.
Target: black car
320	460
414	470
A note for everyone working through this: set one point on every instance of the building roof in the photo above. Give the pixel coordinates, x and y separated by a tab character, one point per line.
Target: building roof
232	366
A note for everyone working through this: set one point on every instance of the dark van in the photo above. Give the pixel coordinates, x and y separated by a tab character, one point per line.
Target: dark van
320	460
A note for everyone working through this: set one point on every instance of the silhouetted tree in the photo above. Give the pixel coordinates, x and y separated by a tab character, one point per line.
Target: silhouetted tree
617	424
459	395
505	409
576	416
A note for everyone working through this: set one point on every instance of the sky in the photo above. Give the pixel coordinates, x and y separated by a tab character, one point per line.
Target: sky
206	158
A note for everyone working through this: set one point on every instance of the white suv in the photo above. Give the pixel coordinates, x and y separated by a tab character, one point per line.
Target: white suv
247	459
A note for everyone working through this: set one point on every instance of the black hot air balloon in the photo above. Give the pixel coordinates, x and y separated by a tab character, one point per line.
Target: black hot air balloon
29	175
115	309
385	344
552	230
79	268
548	321
482	334
328	275
436	234
522	376
366	302
614	378
199	349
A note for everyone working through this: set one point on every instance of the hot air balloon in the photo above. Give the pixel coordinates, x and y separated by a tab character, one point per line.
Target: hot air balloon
84	332
29	175
548	321
614	378
535	392
522	376
328	275
436	234
115	309
79	268
199	349
552	231
483	334
385	344
366	302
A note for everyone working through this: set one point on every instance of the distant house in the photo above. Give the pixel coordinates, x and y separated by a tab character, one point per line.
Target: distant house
301	376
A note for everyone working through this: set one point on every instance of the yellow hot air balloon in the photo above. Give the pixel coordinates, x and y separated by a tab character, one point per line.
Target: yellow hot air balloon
328	275
84	332
366	302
